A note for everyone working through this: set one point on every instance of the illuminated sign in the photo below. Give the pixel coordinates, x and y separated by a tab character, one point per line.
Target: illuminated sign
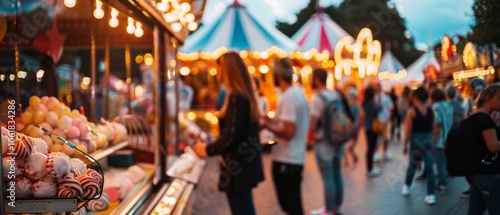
467	74
362	56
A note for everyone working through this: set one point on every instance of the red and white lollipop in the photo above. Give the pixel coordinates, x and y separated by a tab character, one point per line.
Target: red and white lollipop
23	147
94	174
90	186
69	187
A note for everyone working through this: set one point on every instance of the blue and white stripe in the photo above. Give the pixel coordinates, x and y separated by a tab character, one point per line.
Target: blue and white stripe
237	29
389	63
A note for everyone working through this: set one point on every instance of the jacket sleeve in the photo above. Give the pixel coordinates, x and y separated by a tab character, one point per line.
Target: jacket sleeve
228	132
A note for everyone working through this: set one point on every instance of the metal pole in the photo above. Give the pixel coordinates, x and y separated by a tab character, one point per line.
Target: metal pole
93	110
105	92
16	59
177	100
160	105
128	68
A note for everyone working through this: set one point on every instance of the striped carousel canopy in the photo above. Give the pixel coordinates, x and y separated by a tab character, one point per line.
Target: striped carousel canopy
390	70
389	63
237	29
320	33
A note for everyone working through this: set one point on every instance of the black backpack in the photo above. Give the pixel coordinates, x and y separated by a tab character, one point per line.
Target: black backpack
461	149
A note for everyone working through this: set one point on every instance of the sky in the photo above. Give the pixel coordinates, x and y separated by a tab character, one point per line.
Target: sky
425	19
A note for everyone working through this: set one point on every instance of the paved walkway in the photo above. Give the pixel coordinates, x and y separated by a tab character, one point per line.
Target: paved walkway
363	195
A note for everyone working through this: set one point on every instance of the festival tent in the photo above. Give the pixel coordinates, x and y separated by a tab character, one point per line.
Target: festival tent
320	33
237	29
416	70
390	70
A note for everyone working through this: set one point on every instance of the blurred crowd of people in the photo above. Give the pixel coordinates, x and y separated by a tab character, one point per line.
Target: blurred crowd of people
420	119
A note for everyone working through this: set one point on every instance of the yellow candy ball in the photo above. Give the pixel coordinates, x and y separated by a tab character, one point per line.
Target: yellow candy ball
56	148
74	114
66	111
38	117
34	101
27	118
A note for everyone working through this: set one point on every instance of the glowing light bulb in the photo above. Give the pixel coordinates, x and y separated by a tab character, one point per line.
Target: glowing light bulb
192	26
98	12
189	17
170	17
113	22
162	6
130	26
40	73
114	12
70	3
138	30
185	7
176	26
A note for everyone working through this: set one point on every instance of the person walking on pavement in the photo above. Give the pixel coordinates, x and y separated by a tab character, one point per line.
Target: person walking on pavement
328	157
357	114
420	124
395	116
384	116
443	113
370	110
238	144
484	192
476	86
290	128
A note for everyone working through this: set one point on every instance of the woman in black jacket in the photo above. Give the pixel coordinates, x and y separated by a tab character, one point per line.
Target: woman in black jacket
239	145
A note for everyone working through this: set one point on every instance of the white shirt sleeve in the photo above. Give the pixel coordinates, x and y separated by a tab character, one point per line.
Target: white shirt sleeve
316	106
288	109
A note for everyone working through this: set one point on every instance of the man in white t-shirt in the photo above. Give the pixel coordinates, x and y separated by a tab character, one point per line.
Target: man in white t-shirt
385	102
290	128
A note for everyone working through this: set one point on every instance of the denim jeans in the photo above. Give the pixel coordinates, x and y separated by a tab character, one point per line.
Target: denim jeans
241	202
330	168
484	194
422	147
441	167
371	139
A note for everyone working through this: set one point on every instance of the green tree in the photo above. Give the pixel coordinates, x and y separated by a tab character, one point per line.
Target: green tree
487	21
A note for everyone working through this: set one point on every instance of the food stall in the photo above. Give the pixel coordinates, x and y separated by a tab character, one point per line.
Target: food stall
73	159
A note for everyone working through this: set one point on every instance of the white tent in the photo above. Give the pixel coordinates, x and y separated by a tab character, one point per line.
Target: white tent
390	67
415	70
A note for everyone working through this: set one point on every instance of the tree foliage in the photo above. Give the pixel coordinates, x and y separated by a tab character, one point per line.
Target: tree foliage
487	21
379	15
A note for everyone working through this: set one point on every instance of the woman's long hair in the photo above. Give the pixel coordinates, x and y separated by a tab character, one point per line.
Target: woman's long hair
237	79
487	93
